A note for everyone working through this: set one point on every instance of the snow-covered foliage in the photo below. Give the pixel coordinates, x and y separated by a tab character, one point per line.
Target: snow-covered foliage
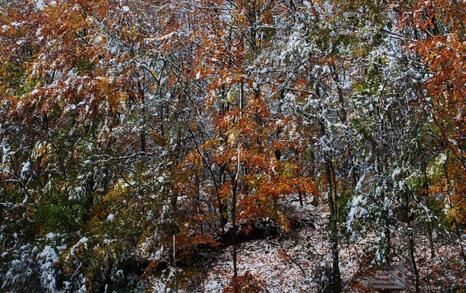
205	145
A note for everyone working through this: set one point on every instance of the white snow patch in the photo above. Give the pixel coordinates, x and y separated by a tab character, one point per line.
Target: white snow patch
47	259
110	218
26	170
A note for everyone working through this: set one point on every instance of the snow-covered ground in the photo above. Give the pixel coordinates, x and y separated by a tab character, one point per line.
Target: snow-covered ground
295	262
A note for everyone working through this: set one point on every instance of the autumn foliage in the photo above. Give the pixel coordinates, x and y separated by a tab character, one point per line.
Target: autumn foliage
140	138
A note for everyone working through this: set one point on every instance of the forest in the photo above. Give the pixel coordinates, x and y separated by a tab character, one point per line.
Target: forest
232	146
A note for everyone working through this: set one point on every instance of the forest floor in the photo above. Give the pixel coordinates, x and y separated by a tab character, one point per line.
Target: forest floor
297	261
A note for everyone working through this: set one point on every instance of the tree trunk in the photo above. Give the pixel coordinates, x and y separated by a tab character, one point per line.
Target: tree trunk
413	261
431	240
233	220
300	194
174	263
331	192
235	185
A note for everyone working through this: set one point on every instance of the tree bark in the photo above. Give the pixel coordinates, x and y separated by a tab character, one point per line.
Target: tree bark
331	192
412	252
234	253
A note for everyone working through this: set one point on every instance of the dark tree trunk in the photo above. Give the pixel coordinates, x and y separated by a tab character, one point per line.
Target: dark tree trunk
300	194
413	261
336	276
